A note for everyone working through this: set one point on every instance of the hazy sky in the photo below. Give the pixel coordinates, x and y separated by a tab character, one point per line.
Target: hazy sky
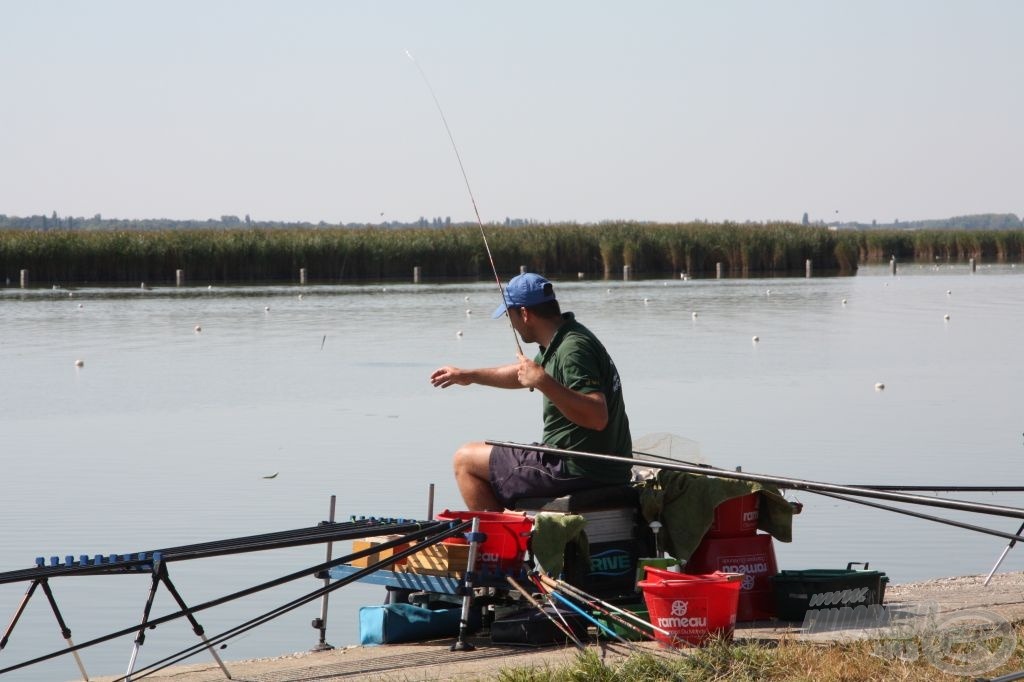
583	110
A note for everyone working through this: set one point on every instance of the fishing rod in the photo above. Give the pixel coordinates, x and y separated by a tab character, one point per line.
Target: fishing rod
894	488
946	488
469	190
789	483
529	597
1013	537
595	604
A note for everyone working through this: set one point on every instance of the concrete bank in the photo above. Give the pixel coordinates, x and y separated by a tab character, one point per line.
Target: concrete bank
941	597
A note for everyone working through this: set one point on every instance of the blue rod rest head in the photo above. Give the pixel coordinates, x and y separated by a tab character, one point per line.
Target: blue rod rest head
476	537
40	561
83	559
69	560
54	561
98	559
142	556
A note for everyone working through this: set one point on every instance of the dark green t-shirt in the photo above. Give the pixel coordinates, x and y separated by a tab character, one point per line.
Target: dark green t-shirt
577	360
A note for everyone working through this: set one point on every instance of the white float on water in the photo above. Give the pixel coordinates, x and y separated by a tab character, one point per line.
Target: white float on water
198	329
946	316
756	338
879	386
79	363
458	333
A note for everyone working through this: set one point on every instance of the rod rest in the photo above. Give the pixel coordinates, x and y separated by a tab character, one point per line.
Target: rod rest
588	499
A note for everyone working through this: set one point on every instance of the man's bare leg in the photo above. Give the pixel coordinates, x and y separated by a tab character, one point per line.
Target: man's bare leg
472	464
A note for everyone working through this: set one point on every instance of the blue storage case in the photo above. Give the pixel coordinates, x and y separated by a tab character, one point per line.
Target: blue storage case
394	623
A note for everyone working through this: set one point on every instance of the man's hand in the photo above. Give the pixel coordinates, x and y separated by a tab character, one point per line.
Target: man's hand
446	376
529	373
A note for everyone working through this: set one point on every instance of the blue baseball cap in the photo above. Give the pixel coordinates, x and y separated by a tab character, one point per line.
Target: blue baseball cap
523	291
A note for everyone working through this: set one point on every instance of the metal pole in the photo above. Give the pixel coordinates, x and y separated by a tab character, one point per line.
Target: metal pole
467	598
1002	556
430	503
321	622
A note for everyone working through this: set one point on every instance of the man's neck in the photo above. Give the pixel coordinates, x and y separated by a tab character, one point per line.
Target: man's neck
547	331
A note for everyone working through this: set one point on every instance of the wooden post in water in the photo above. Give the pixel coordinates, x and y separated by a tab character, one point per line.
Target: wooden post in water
416	274
302	275
807	268
179	277
626	271
892	266
24	279
974	266
718	270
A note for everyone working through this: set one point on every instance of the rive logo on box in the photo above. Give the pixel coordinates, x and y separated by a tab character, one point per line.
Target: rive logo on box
611	562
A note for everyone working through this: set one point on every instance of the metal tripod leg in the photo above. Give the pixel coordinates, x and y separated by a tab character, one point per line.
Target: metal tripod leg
1003	556
141	637
196	627
64	629
17	613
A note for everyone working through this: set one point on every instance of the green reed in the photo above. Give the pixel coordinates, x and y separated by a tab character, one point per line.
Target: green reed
335	254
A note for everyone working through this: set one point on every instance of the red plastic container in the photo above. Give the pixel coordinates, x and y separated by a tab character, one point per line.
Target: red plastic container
754	556
736	517
691	608
507	537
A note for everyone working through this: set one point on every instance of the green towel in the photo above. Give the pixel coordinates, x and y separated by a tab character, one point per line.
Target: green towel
685	506
552	532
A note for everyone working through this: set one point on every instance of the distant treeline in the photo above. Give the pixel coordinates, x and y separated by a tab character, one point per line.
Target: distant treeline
979	221
375	254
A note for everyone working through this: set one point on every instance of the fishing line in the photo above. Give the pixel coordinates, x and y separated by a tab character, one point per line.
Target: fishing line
472	199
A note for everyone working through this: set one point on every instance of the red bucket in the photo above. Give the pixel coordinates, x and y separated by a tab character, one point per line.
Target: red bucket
735	517
507	537
691	609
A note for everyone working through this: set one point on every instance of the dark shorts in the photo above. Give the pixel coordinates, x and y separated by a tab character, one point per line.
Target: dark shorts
517	474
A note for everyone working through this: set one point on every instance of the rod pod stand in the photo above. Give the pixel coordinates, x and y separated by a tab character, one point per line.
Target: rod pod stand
467	598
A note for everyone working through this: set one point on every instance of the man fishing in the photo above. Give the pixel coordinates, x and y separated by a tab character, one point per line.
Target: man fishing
583	406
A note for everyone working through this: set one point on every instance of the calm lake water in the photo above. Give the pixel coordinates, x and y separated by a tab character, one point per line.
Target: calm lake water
165	435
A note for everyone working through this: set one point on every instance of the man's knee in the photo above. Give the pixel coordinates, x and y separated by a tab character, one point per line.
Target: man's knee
473	458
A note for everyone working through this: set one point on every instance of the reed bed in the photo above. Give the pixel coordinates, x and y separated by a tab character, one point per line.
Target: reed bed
335	254
374	254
